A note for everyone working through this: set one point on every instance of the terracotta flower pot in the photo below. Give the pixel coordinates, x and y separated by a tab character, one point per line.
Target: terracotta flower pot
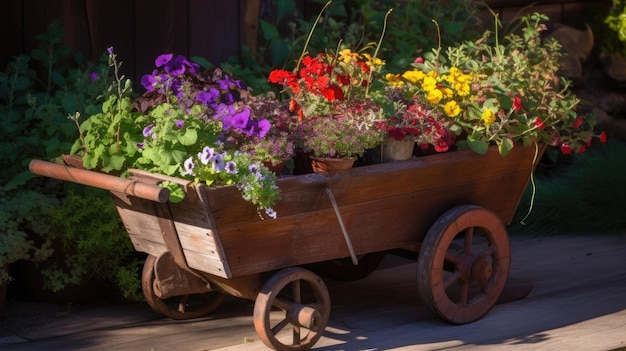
331	166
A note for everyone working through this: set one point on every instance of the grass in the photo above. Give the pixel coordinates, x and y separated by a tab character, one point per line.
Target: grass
582	194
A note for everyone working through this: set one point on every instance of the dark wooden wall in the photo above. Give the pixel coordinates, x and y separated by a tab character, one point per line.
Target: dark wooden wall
139	30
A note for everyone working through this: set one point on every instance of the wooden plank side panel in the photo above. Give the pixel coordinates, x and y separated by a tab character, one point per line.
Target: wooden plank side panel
306	193
140	223
379	222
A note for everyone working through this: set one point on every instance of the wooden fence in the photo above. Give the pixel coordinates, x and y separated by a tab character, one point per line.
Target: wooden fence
139	30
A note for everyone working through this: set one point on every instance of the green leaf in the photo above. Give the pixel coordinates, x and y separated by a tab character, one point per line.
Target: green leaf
477	145
117	161
177	192
269	30
203	62
505	146
189	138
57	78
69	103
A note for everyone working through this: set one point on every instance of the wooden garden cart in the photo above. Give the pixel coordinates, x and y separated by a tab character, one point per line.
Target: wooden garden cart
450	208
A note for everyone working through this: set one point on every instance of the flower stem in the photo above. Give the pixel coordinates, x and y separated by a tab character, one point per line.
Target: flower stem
308	38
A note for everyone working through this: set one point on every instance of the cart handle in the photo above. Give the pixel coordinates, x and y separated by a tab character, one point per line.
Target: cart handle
331	196
100	180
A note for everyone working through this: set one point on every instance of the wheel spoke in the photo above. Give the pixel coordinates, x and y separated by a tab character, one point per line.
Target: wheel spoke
280	326
284	305
463	294
469	238
451	279
296	291
452	258
296	335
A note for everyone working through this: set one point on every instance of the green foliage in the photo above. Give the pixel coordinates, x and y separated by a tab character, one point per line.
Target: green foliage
37	93
21	215
616	19
91	238
35	106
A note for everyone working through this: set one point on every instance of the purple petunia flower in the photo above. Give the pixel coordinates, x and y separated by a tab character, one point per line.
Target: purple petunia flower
253	169
231	167
93	76
218	162
208	97
163	59
140	145
240	119
148	130
270	213
148	81
264	127
188	166
206	155
110	50
180	123
177	66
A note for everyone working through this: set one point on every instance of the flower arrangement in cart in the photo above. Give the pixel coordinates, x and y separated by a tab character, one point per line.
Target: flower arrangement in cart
486	92
188	124
206	126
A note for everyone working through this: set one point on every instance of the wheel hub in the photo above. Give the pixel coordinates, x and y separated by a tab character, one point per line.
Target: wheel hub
481	270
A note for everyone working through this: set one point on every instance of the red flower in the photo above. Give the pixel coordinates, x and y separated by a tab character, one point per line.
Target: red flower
539	123
582	149
419	59
343	79
566	149
578	122
603	137
517	104
396	133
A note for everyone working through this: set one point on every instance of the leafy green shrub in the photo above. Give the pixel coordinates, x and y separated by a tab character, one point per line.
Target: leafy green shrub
22	215
94	245
37	94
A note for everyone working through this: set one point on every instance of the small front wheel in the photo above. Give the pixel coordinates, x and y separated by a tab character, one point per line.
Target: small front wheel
292	310
463	264
187	306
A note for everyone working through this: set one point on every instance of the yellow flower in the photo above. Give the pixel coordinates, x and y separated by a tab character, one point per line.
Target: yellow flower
348	56
452	109
434	96
429	83
488	117
394	79
372	62
448	93
414	76
462	89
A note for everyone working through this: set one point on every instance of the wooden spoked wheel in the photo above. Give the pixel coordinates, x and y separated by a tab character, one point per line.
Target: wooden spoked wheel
463	264
186	306
292	310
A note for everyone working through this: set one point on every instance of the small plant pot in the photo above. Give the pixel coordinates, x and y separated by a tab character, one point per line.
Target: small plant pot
331	166
397	150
